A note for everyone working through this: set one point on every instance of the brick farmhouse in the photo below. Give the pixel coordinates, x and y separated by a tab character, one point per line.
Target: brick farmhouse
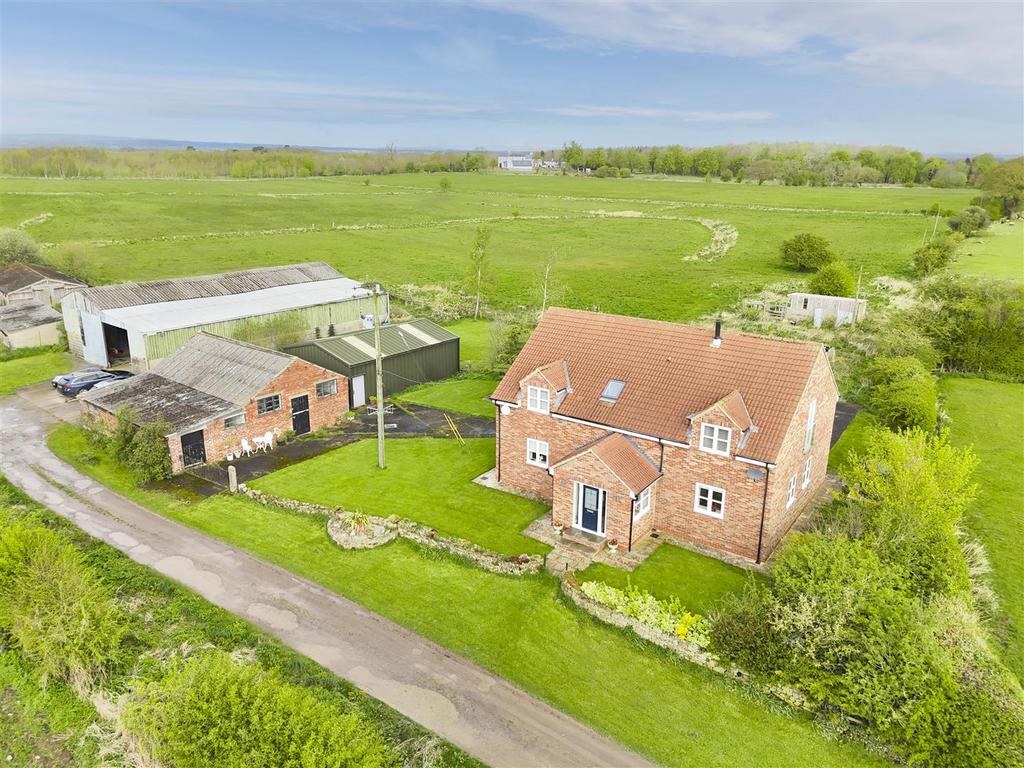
628	426
216	392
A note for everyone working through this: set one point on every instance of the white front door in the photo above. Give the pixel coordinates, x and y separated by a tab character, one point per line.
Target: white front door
358	391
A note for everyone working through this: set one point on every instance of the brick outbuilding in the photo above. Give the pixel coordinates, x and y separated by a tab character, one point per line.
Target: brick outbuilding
629	425
216	392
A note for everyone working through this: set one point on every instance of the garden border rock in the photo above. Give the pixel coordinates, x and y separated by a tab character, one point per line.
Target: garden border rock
384	530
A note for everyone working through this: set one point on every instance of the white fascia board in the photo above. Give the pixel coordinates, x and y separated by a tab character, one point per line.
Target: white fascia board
755	462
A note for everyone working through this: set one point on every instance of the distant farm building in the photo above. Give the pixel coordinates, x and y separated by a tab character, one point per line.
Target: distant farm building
145	322
28	324
841	310
413	352
222	397
34	282
521	163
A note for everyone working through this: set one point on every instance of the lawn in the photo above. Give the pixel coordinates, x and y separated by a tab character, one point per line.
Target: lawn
999	254
401	230
429	480
474	342
20	370
459	395
989	415
853	440
673	712
698	581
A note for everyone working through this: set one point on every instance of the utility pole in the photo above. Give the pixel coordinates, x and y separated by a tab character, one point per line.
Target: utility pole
380	376
856	300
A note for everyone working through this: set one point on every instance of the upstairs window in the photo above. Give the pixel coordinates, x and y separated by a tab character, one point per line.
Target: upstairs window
268	404
538	399
613	391
709	500
536	452
715	439
812	411
327	388
791	492
807	473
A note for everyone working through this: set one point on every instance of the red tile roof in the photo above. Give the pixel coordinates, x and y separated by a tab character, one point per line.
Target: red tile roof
623	456
671	372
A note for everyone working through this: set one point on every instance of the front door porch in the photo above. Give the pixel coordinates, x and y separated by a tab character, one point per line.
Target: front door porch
590	508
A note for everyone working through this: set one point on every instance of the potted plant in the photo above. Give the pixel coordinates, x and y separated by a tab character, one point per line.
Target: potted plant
558	528
613	545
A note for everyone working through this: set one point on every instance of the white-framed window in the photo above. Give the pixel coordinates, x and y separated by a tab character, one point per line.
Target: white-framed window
709	500
812	411
234	421
715	439
536	452
538	399
268	404
642	505
807	473
327	388
791	492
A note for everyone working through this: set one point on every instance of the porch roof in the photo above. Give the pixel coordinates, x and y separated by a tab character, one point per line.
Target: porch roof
624	457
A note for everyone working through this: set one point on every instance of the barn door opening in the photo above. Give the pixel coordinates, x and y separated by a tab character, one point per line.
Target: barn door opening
193	449
300	415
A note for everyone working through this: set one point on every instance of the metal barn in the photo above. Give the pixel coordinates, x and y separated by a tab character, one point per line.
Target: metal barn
413	352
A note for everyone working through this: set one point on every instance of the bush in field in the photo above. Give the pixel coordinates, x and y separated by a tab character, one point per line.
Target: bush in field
806	252
975	325
148	459
55	607
211	711
907	494
16	245
834	279
970	220
934	255
903	393
508	335
742	631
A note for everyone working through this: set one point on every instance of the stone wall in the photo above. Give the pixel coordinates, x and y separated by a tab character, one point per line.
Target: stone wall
494	562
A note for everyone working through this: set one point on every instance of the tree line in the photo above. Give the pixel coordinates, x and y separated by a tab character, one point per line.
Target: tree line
256	163
795	164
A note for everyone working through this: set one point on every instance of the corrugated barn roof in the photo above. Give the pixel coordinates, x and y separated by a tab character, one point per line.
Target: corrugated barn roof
223	284
26	314
20	275
356	348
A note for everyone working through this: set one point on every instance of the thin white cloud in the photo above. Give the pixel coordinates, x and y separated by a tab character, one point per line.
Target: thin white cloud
683	115
927	42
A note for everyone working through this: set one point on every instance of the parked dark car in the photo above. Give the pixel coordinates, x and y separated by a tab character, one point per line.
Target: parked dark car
61	379
85	381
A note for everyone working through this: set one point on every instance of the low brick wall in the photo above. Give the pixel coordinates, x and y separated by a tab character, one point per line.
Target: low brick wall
494	562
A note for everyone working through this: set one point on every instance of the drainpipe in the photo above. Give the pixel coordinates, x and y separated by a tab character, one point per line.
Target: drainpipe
629	544
497	421
764	504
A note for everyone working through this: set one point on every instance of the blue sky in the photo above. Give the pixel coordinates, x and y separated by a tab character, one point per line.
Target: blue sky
940	77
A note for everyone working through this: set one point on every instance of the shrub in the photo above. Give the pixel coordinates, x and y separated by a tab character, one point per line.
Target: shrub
148	459
969	220
907	494
886	370
834	279
741	630
666	615
16	245
123	434
806	251
933	256
508	335
444	184
55	607
906	404
211	711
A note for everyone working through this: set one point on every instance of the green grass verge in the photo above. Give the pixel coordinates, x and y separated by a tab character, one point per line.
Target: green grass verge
698	581
22	370
999	254
672	711
989	416
853	440
429	480
458	395
474	342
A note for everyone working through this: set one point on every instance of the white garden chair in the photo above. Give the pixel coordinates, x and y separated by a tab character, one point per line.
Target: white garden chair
247	449
268	440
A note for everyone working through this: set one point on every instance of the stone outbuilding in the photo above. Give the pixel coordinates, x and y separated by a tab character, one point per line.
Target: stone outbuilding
21	281
29	324
215	393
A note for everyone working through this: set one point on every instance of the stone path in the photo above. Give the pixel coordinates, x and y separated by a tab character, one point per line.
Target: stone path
478	711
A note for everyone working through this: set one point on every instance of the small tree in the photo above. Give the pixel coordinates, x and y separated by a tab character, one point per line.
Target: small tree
806	252
478	267
16	245
445	184
833	279
933	256
148	459
124	433
508	336
549	290
970	220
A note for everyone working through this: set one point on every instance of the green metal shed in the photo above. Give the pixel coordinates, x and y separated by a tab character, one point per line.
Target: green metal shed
413	352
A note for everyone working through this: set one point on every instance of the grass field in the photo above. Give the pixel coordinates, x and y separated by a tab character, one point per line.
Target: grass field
853	440
429	480
989	416
520	628
474	342
999	254
457	395
698	582
402	229
21	370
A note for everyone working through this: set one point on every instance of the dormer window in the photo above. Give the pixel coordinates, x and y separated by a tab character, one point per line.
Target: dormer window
715	439
538	399
613	391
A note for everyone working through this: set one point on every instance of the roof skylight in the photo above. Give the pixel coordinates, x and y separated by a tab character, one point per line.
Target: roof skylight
613	390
